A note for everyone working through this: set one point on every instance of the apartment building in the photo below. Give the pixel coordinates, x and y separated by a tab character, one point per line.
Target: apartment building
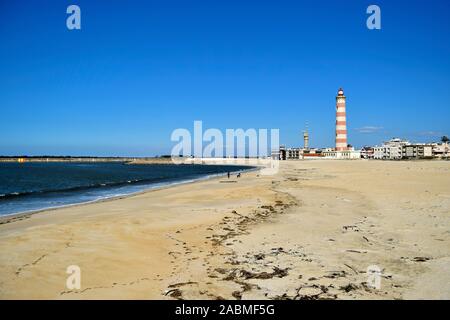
417	151
390	150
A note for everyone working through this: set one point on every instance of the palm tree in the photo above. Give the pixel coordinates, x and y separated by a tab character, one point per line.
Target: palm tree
445	139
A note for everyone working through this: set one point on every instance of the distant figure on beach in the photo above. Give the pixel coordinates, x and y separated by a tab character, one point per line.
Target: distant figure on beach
228	175
238	175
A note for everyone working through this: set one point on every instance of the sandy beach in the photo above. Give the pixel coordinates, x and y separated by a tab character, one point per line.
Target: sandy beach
308	232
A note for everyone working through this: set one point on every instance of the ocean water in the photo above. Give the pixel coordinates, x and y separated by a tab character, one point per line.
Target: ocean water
33	186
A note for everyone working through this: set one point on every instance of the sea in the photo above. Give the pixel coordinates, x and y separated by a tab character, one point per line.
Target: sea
31	186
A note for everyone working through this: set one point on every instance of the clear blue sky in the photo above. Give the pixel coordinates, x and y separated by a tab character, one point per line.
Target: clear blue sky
139	69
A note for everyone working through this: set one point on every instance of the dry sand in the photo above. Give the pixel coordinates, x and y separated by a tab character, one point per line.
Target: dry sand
309	232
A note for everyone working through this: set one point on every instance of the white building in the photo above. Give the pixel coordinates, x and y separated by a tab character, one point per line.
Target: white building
441	150
417	151
293	153
367	152
390	150
350	153
287	153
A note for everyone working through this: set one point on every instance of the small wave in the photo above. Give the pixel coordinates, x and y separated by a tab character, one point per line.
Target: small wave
66	197
78	188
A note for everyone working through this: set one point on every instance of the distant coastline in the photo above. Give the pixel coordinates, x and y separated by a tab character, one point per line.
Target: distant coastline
135	160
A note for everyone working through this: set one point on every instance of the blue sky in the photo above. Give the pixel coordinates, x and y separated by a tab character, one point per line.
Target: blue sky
137	70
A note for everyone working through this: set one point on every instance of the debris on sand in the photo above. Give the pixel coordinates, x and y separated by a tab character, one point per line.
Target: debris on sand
270	208
421	259
355	251
350	227
260	256
336	274
276	251
350	267
174	293
349	287
180	284
221	270
277	272
237	295
313	292
244	274
417	259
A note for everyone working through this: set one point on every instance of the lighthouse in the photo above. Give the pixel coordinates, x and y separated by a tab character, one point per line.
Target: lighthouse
341	122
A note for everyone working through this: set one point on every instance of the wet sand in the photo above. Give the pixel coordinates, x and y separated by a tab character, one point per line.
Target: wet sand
308	232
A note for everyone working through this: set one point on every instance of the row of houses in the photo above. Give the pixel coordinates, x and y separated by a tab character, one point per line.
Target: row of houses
396	149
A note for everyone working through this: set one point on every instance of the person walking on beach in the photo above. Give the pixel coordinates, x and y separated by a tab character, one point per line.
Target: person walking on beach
228	175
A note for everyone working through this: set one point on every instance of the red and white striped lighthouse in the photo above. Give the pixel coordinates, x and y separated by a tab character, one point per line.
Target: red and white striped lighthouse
341	122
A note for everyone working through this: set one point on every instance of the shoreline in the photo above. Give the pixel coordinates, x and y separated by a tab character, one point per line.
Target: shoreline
9	218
